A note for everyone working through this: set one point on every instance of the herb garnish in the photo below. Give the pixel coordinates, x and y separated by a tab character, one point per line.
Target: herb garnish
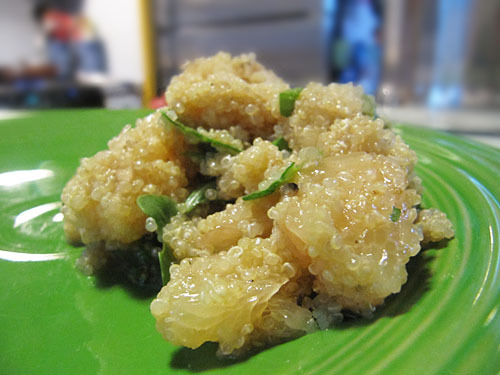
166	259
396	214
161	208
285	177
369	106
287	101
193	133
281	143
197	197
195	156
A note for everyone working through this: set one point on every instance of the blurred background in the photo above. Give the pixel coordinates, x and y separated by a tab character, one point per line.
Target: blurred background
428	62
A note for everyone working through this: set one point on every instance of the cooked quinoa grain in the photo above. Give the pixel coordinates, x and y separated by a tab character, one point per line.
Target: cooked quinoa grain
220	92
268	255
99	202
435	225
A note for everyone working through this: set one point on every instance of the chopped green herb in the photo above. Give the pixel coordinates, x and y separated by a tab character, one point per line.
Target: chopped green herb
159	207
281	143
368	107
186	130
287	101
197	197
285	177
162	209
166	258
195	156
396	214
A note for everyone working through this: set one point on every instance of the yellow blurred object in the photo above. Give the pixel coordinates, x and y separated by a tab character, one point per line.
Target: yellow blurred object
146	22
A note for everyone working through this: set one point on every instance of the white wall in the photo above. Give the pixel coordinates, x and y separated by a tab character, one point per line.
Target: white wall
19	40
118	24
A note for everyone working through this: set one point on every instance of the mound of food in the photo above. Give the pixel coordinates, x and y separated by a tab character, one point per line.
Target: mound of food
277	208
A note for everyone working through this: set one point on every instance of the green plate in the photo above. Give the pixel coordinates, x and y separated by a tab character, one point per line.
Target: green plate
55	320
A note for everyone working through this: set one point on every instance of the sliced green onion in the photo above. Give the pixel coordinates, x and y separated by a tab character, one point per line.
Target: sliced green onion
186	130
287	101
285	177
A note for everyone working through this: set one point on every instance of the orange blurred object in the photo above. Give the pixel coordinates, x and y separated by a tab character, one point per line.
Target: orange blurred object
158	102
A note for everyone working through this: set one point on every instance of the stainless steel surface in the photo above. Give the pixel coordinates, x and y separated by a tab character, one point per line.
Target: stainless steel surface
287	36
441	54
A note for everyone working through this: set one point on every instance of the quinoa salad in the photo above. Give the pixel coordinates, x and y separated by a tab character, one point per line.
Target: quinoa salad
270	211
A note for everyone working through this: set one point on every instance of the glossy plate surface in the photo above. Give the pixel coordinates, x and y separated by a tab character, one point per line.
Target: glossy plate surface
55	320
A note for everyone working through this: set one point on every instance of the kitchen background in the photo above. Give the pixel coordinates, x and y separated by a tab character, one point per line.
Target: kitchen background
429	62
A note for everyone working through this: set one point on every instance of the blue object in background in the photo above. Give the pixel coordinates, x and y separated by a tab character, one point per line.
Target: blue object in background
84	56
61	56
448	68
356	53
91	56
